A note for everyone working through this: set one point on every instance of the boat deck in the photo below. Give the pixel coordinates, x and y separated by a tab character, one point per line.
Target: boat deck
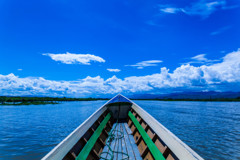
122	145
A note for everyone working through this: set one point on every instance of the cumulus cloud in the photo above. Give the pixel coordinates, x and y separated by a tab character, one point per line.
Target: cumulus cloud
72	58
202	8
220	76
143	64
113	70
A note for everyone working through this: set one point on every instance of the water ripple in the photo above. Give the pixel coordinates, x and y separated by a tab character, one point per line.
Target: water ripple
212	129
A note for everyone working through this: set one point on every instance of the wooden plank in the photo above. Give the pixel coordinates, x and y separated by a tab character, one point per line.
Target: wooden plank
134	146
134	131
145	151
142	145
91	142
85	140
100	141
154	137
124	144
160	146
128	144
149	156
152	147
170	157
105	132
127	128
106	155
93	153
119	154
92	129
122	140
116	143
74	155
166	152
139	140
113	144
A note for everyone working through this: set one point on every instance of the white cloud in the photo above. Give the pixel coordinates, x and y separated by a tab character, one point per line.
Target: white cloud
113	70
170	10
226	71
221	76
220	30
141	65
72	58
202	8
19	69
201	58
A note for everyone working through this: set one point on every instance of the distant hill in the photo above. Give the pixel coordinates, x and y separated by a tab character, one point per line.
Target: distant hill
188	95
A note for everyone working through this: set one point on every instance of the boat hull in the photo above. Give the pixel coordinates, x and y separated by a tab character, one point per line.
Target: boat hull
151	137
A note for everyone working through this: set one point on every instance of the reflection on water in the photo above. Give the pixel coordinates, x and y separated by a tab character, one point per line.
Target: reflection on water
212	129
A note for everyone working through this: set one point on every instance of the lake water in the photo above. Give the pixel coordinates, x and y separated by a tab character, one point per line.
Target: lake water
212	129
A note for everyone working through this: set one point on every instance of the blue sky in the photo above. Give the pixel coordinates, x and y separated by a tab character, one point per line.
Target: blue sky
94	48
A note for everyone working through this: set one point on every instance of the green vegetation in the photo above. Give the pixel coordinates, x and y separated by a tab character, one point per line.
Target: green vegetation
5	100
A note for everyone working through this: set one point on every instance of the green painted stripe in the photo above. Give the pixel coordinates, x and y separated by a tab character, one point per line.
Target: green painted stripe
152	147
91	142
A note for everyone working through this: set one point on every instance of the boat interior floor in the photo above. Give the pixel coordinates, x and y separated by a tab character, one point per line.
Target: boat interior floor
120	144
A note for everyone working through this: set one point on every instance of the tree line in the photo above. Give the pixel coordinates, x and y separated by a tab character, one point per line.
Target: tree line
13	100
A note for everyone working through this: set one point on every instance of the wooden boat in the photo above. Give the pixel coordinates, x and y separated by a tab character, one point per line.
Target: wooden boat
121	130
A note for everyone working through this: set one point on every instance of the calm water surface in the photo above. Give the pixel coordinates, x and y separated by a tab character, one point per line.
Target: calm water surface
212	129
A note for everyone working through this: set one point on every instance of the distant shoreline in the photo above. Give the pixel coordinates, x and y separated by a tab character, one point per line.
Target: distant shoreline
197	100
28	103
4	100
